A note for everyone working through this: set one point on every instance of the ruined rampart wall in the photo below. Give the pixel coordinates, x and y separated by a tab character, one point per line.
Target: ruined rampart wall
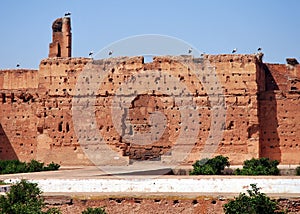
36	109
38	123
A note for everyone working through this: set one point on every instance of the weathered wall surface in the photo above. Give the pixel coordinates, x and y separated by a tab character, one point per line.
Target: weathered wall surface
154	204
36	108
279	113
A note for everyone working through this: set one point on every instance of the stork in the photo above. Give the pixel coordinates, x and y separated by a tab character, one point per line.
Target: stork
234	50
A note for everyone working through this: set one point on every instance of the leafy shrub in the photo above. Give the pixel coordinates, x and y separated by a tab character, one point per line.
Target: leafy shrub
213	166
52	211
51	166
97	210
298	170
35	166
24	198
16	166
261	166
12	166
253	203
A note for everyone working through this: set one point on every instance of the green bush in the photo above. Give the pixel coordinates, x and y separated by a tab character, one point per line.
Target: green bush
51	166
24	198
16	166
261	166
298	170
97	210
253	203
35	166
213	166
52	211
12	166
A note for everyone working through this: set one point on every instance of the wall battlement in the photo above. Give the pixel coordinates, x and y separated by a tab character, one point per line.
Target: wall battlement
61	45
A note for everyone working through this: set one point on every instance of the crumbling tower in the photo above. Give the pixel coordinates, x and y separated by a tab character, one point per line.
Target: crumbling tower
61	38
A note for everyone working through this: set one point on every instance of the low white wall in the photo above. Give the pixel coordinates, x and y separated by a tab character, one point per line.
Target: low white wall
168	185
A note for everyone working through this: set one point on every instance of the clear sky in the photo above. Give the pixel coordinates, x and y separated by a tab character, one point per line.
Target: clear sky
211	26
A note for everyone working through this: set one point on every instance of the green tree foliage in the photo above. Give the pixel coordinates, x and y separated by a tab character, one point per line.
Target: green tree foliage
16	166
97	210
253	203
213	166
261	166
24	198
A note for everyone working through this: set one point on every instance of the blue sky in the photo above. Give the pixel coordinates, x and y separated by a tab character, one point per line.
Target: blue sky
210	26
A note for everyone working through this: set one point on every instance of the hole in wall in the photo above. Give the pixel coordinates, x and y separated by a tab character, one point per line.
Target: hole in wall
67	127
148	58
3	98
60	126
